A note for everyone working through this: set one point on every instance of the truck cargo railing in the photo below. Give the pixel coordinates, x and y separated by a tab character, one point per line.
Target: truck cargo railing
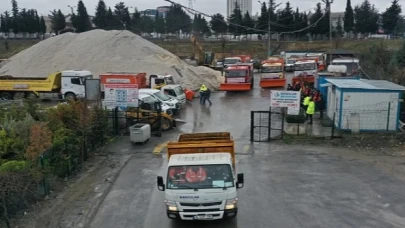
205	136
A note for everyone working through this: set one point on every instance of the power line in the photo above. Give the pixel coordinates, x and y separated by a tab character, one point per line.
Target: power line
192	11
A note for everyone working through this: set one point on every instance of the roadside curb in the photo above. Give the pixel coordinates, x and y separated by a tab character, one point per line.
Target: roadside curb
95	209
158	149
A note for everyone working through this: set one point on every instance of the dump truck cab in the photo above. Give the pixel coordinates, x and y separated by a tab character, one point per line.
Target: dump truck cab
305	67
176	92
212	193
158	81
238	78
320	59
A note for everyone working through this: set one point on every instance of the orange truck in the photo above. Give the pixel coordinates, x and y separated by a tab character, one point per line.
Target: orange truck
305	70
238	78
320	59
122	78
272	73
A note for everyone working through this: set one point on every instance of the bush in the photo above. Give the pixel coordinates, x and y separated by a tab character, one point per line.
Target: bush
301	118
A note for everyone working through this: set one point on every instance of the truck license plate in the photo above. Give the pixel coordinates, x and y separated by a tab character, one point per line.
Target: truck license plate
202	217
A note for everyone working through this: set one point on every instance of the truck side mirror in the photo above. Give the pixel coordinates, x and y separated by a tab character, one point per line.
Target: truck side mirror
240	180
160	184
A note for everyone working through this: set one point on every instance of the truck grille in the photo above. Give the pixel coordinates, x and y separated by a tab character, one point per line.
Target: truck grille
201	210
201	204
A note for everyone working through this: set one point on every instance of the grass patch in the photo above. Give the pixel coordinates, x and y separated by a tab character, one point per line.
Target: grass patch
14	47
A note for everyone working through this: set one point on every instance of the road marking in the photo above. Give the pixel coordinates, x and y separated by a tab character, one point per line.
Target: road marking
158	149
246	148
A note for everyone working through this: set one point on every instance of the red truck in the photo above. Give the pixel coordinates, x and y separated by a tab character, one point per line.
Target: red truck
238	78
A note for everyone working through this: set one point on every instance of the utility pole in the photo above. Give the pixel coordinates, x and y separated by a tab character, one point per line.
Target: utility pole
328	8
269	32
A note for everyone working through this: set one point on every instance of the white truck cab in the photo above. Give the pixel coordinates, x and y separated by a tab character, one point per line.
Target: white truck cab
201	186
176	92
166	100
73	83
305	68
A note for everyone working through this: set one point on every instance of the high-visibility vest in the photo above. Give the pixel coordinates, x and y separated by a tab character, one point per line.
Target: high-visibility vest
198	176
311	108
203	88
306	100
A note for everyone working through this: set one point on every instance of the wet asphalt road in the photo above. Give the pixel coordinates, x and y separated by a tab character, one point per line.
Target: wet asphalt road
285	186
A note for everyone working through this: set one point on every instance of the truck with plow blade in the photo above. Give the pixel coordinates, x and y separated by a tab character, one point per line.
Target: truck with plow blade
272	73
305	71
238	78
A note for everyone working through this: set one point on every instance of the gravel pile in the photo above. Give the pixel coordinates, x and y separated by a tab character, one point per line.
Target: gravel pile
102	51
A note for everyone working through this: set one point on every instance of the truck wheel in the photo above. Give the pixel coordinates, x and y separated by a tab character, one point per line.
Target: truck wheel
70	96
31	96
166	124
18	95
6	96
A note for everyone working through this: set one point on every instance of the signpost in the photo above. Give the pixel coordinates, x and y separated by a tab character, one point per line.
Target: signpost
286	99
121	95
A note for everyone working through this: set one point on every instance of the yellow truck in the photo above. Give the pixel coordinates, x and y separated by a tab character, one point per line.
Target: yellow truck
68	84
201	176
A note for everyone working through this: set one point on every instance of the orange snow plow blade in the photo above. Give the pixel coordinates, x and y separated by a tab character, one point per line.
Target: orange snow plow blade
189	94
269	83
309	79
235	86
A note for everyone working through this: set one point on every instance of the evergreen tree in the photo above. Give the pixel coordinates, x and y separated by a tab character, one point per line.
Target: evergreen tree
339	28
37	23
81	21
349	17
248	22
146	24
136	21
263	20
304	24
286	18
390	17
58	21
15	17
366	17
42	26
235	19
218	24
160	26
316	30
100	18
177	20
121	12
3	24
323	24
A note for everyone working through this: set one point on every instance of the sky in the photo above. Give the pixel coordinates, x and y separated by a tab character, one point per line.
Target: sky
206	6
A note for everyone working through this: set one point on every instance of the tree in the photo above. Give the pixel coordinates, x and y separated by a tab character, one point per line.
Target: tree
390	17
112	22
235	19
147	24
58	21
263	20
3	24
286	18
160	26
15	16
366	17
121	12
81	21
40	141
248	22
100	18
42	25
348	19
136	22
218	24
200	26
177	20
317	29
339	28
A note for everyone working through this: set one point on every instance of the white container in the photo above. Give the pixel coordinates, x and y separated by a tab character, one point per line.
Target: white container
140	133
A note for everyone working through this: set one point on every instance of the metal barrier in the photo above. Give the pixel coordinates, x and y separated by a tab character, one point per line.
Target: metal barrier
266	125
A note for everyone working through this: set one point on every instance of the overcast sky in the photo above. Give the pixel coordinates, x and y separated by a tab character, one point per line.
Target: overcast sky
205	6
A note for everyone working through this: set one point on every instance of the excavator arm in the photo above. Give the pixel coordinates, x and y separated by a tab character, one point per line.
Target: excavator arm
198	50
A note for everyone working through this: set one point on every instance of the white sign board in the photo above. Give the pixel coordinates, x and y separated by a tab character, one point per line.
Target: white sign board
121	95
286	99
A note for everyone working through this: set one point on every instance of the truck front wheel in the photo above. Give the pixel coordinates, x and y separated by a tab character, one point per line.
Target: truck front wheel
70	96
6	96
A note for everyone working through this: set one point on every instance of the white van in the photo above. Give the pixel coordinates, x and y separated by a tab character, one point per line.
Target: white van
176	92
173	104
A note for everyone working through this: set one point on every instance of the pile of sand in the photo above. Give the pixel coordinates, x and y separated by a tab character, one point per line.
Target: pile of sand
102	51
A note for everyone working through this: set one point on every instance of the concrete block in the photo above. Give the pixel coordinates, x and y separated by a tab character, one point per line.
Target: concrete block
294	128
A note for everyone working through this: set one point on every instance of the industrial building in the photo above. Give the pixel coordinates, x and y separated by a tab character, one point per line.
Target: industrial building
244	5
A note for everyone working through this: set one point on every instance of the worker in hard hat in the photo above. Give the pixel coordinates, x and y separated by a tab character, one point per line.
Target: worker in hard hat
203	93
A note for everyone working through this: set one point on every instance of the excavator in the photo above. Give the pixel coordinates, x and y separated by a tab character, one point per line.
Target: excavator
206	58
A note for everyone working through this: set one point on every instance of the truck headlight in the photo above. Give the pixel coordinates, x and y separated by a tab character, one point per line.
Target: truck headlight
231	204
171	205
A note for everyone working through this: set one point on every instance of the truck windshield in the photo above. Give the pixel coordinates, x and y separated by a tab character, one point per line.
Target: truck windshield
179	90
169	80
236	73
290	61
272	69
161	96
200	176
305	66
231	61
83	79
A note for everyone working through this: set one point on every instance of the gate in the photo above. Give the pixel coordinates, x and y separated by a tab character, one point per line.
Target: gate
266	125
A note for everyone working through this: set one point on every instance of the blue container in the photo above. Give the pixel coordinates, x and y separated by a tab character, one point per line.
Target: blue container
321	79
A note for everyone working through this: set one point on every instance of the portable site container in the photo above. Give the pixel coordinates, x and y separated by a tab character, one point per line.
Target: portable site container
364	105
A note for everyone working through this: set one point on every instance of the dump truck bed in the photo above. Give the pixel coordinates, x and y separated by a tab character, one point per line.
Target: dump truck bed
211	142
49	84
